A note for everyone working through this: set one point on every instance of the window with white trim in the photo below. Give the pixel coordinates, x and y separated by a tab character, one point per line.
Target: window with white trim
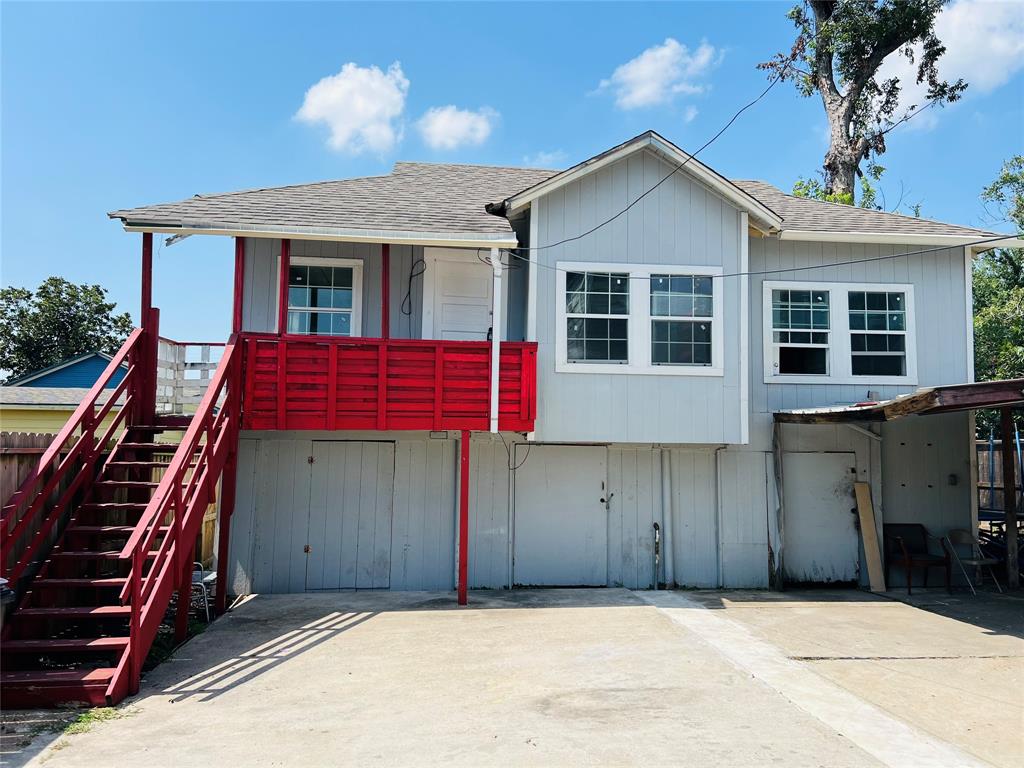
638	318
324	296
682	307
839	333
878	338
597	312
800	331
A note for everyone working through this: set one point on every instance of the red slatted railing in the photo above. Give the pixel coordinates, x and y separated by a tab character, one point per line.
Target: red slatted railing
31	514
299	382
160	547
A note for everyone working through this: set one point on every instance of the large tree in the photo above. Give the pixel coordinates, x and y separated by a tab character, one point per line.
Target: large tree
56	321
838	53
999	289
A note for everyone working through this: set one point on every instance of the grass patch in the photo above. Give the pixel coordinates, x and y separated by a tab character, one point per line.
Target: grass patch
87	720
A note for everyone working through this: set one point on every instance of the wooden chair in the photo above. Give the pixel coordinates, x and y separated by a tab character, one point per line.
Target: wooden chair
906	545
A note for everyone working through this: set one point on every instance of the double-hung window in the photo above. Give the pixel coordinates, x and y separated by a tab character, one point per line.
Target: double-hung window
839	333
597	312
632	318
324	296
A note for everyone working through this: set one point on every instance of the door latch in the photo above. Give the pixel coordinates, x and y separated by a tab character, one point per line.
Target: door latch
307	549
311	459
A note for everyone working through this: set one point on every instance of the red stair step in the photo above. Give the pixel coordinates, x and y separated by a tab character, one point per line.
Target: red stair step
84	582
111	554
96	611
126	484
114	506
48	687
66	645
109	529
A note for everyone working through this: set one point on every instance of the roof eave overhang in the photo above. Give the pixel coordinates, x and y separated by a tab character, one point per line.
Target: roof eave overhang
761	217
392	237
894	238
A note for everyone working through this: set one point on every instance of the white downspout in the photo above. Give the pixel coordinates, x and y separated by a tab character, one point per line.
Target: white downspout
496	321
666	517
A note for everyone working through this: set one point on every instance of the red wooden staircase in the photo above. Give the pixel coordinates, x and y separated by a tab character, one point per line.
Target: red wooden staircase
102	533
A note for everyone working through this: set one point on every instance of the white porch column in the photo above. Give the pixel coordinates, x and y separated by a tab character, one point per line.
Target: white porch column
496	325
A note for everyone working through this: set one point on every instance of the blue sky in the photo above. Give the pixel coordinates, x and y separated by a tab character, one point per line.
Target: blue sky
115	105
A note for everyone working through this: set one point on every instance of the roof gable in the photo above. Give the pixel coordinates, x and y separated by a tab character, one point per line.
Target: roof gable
78	371
761	215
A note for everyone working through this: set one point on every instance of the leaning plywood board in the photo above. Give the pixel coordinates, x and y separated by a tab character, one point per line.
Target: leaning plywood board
869	533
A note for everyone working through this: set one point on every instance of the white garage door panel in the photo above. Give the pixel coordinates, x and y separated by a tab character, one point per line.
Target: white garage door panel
350	514
822	543
561	522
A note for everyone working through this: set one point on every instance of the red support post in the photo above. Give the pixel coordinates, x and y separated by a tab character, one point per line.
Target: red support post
227	508
282	301
236	311
184	596
385	291
464	518
147	276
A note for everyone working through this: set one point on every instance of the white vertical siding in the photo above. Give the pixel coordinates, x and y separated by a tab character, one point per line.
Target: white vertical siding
940	314
680	223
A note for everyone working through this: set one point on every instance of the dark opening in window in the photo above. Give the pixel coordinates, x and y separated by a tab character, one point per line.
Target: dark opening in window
811	360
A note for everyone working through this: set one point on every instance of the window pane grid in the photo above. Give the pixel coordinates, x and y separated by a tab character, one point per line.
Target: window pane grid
801	324
878	323
320	300
597	304
681	341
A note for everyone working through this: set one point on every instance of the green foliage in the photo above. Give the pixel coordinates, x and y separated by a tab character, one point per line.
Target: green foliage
999	291
839	48
816	189
56	321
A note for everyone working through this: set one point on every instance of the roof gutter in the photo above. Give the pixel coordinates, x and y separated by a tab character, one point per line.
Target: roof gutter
891	238
392	237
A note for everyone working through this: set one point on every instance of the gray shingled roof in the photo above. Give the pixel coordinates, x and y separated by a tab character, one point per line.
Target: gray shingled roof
801	213
415	197
61	397
449	199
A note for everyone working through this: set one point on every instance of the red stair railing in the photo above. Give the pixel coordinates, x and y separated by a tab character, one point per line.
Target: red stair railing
28	520
176	511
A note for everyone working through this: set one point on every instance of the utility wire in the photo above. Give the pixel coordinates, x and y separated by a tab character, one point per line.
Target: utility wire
665	178
754	273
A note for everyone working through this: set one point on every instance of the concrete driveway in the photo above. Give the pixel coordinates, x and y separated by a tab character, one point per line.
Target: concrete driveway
573	677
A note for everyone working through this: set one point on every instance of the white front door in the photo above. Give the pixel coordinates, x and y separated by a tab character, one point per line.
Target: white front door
457	295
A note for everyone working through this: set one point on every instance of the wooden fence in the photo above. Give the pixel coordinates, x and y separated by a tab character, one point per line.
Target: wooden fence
19	455
990	475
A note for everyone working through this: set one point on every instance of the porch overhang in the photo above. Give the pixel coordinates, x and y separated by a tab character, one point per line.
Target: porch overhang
1007	393
391	237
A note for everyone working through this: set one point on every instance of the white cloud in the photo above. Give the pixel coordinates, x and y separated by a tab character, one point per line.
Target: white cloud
450	127
690	114
362	106
984	45
554	159
661	72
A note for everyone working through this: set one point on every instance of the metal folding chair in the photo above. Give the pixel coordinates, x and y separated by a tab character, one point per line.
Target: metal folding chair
963	538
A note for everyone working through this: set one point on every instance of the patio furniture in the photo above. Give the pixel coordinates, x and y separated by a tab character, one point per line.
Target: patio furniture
906	545
959	537
201	582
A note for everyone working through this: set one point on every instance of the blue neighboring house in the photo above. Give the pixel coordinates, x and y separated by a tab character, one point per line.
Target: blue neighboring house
79	371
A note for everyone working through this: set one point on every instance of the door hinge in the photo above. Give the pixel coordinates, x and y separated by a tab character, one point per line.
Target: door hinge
311	460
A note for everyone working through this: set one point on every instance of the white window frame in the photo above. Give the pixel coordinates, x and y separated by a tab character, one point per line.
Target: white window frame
639	320
356	265
840	362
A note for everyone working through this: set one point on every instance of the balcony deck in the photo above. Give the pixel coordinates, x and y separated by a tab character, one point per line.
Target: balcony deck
304	382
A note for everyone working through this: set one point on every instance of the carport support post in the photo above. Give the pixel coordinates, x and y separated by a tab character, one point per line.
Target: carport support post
1009	498
464	517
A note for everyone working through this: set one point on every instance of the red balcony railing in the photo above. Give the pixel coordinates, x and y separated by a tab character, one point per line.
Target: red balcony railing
302	382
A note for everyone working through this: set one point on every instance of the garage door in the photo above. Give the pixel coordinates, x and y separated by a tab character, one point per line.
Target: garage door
561	520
